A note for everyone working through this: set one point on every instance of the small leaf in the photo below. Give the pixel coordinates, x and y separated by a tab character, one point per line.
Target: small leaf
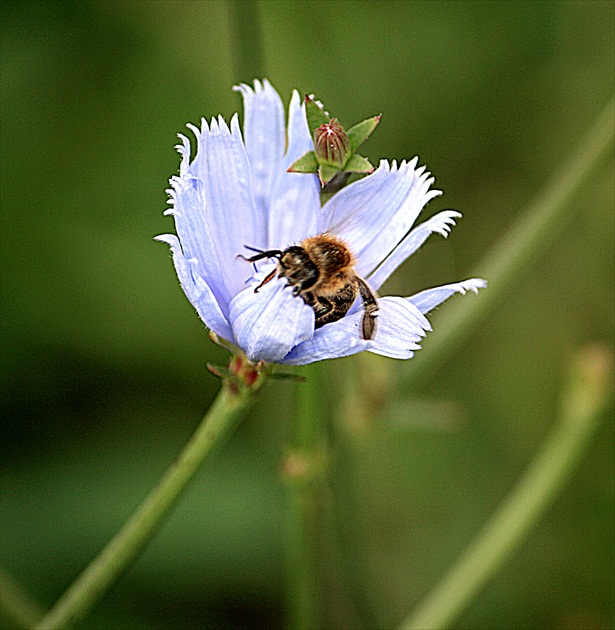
358	164
334	185
360	132
305	164
326	173
316	115
220	372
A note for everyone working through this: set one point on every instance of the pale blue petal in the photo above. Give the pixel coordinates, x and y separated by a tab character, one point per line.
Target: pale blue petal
188	209
426	300
375	213
265	137
440	223
269	323
400	326
222	173
295	204
197	290
338	339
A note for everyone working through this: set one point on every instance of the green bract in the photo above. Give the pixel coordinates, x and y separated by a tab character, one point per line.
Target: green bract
334	158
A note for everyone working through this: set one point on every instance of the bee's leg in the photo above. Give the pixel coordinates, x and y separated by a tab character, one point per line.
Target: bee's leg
322	307
370	306
309	299
270	253
266	280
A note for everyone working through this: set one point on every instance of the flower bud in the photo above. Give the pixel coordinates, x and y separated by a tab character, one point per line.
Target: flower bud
332	144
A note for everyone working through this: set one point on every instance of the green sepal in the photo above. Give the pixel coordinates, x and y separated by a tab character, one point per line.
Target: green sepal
360	132
358	164
334	185
327	173
223	343
288	376
221	372
307	163
315	114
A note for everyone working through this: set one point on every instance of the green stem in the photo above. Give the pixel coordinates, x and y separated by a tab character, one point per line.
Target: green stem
246	36
305	472
582	405
545	218
353	426
17	604
217	425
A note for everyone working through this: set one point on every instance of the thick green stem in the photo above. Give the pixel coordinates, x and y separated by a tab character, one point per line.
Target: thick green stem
217	425
246	39
305	472
536	229
582	405
17	604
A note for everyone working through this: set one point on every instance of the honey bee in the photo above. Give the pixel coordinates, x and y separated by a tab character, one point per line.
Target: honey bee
321	270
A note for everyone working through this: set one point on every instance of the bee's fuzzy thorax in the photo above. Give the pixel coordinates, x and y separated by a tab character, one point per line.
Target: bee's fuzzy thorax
321	271
332	257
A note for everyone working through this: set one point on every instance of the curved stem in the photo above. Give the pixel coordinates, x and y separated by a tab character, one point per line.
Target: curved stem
543	221
217	425
581	411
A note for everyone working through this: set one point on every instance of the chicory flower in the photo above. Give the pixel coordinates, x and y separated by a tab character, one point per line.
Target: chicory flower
236	193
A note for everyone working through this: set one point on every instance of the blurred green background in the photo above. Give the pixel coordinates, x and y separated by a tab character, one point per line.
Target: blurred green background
103	358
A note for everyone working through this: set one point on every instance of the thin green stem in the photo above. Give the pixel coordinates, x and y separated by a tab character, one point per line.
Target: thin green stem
17	604
543	221
246	39
351	427
217	425
305	472
583	402
309	431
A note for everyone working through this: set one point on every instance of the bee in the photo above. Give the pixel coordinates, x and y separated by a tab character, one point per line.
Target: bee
321	271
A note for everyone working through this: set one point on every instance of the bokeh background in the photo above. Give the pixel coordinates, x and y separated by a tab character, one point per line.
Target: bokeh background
103	358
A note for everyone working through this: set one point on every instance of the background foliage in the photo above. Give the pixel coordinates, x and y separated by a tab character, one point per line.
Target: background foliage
103	359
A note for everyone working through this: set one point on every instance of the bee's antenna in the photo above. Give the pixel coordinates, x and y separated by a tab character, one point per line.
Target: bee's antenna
260	254
252	258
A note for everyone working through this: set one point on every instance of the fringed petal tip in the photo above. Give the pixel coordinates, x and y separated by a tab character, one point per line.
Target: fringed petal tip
410	168
257	87
178	253
427	300
183	148
474	284
421	178
218	126
445	222
170	239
